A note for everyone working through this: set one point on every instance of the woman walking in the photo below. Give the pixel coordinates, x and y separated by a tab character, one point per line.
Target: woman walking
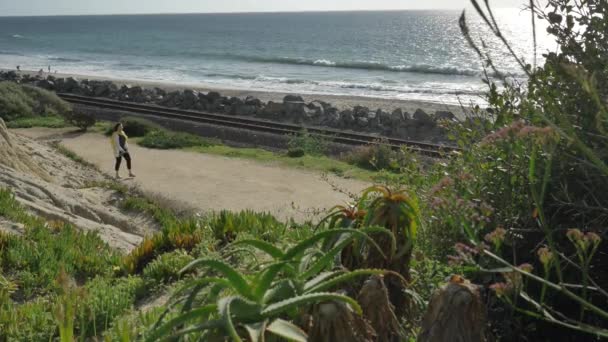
121	148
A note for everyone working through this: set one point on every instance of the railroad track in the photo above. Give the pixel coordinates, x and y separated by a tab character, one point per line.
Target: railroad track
338	136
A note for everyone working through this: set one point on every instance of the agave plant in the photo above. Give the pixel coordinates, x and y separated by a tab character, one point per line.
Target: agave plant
398	212
379	206
264	302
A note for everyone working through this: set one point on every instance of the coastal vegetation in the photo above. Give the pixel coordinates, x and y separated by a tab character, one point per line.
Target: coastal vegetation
25	106
513	228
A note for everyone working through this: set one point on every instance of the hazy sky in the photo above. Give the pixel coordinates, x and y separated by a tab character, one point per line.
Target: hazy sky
58	7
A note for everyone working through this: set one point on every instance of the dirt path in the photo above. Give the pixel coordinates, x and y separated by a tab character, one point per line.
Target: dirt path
209	182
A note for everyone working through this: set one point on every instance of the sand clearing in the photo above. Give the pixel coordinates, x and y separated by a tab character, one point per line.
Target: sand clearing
209	182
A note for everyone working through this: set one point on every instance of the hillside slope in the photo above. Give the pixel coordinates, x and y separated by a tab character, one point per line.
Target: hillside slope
55	187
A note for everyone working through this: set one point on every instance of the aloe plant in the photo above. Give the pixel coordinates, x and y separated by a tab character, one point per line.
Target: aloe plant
263	302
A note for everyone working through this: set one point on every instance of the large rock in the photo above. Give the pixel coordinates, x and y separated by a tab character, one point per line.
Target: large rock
347	118
294	109
244	109
173	99
444	115
383	117
14	156
71	84
213	96
360	111
46	84
189	99
102	88
317	107
422	117
362	121
272	110
253	101
292	98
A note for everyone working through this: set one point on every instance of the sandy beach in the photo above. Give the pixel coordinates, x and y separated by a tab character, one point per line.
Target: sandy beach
339	101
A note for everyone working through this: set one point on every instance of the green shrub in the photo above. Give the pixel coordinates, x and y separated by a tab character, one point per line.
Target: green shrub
14	102
105	300
46	102
180	234
310	144
134	127
20	101
134	325
29	321
43	121
35	259
382	157
161	139
296	152
165	268
226	226
79	119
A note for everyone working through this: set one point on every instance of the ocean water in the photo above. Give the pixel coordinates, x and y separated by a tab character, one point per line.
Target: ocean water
419	55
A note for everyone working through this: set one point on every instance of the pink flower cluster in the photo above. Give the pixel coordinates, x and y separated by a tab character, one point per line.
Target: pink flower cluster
520	129
583	240
496	237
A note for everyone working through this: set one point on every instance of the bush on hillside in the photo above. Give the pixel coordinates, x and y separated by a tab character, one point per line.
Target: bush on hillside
166	268
161	139
19	101
296	152
80	120
380	157
135	127
14	102
310	144
43	121
46	102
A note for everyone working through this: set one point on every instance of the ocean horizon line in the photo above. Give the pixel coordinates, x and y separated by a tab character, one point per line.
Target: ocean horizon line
447	9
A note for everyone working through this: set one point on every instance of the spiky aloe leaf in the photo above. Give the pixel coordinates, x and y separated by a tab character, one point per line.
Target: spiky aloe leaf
321	278
165	329
268	276
280	291
237	281
326	285
263	246
381	230
224	311
287	330
199	285
175	299
256	331
311	298
209	325
308	258
311	241
327	259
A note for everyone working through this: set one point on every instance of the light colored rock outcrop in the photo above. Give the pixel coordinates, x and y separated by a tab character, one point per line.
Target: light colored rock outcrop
52	186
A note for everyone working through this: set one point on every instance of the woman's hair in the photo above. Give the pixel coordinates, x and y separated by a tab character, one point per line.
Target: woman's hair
116	127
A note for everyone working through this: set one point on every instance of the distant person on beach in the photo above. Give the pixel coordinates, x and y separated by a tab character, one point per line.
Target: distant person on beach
121	148
49	69
18	67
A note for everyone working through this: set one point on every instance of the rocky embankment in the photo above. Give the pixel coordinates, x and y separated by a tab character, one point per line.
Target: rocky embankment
399	123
